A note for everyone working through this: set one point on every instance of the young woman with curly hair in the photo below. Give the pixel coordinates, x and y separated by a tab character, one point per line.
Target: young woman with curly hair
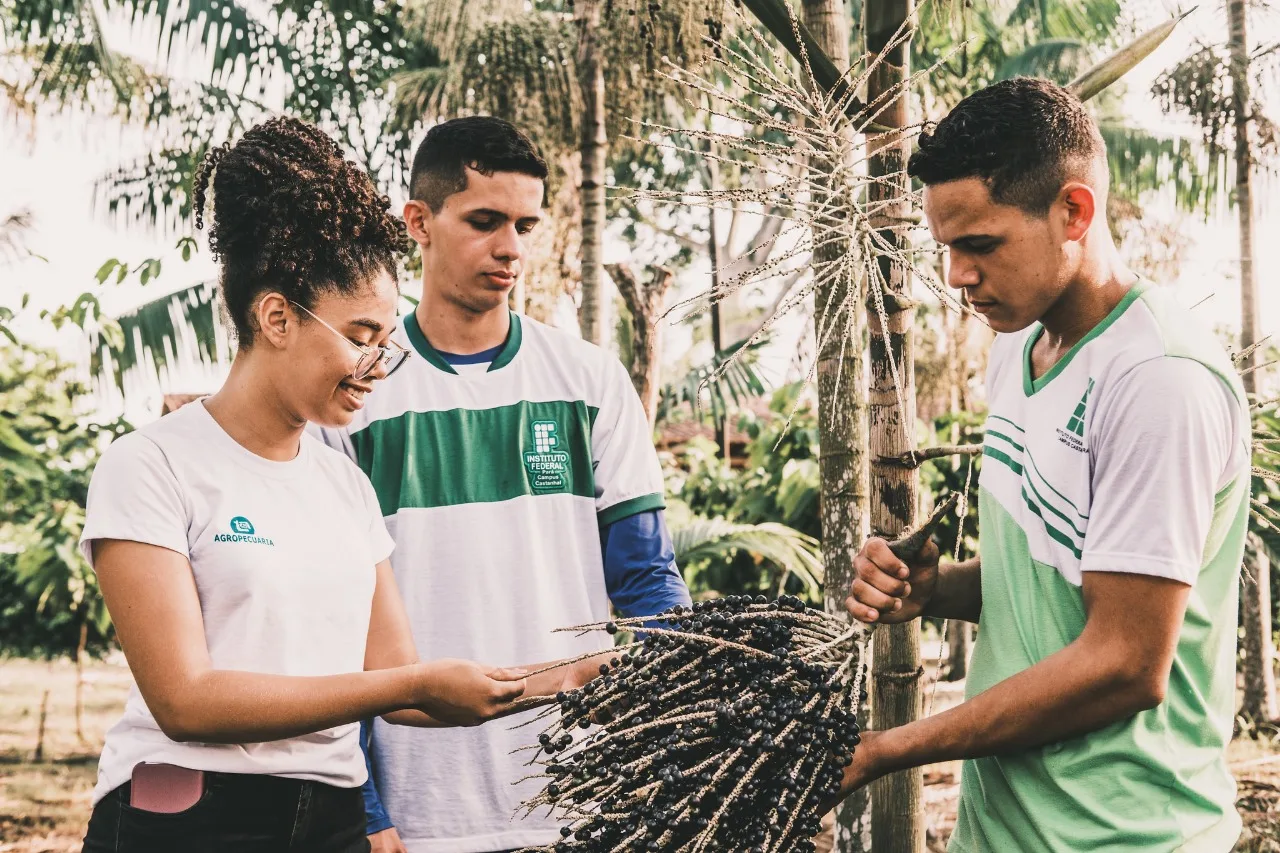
244	563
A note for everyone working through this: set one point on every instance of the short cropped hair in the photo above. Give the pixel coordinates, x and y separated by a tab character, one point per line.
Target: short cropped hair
483	143
1024	138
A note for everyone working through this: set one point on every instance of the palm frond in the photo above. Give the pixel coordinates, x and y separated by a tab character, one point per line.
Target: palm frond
181	326
153	190
416	95
1141	162
792	552
1058	60
1200	87
729	379
14	229
1093	21
65	50
227	28
522	69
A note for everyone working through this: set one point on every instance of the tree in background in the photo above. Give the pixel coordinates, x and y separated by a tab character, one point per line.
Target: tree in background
50	604
1215	87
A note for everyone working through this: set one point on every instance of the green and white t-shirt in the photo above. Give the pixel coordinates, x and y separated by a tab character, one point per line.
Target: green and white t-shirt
494	485
1129	455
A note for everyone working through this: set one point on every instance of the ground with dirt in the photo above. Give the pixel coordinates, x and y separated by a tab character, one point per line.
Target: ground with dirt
44	804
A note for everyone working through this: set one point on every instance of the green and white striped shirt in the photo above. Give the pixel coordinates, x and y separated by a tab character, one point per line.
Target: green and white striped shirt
1130	455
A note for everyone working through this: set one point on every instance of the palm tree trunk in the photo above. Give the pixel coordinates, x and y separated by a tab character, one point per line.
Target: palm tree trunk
842	435
717	326
80	653
1258	704
644	301
959	634
897	807
1259	700
44	719
594	309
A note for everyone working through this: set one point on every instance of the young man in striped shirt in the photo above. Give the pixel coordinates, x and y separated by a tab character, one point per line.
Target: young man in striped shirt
1113	507
516	472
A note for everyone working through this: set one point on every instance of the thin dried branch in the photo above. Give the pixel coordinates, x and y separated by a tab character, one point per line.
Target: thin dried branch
915	458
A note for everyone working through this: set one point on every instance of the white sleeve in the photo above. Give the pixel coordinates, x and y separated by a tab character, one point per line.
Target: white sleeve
380	540
1163	442
134	495
628	477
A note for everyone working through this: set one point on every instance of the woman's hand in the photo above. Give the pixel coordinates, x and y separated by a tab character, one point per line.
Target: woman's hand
465	693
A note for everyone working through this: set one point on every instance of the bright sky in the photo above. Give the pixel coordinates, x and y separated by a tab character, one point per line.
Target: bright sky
50	169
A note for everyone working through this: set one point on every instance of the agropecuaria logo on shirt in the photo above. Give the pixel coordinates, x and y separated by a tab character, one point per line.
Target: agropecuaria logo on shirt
548	468
242	530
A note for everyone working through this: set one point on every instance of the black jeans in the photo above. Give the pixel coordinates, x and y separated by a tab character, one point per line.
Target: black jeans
238	814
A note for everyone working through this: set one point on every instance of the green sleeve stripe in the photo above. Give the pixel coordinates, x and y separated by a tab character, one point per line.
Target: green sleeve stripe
1002	457
1002	436
628	508
1055	534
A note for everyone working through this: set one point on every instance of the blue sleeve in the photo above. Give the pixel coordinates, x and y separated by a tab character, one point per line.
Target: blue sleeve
640	572
376	816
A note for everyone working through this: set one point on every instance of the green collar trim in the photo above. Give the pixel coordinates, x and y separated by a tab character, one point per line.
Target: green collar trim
511	347
1031	386
433	357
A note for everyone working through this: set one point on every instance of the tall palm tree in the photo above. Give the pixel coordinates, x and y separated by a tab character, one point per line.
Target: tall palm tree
897	811
1214	86
374	74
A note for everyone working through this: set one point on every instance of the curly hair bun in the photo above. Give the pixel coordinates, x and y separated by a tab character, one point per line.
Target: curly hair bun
292	215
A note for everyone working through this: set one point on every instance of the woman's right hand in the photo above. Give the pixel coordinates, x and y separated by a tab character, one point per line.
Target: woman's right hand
466	693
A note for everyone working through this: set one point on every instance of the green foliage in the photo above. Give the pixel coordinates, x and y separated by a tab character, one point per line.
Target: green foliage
765	515
332	60
988	42
47	452
1265	522
182	323
707	548
942	477
726	382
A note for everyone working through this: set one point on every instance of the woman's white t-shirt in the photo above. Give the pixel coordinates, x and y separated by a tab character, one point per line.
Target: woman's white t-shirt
283	557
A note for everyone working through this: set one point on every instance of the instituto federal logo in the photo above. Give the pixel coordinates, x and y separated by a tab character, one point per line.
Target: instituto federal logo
548	468
242	530
1073	435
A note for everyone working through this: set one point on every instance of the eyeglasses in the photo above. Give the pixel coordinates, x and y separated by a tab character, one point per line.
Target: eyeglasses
390	356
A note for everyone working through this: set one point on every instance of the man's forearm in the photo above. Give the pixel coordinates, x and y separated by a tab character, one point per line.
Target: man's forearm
958	594
1078	690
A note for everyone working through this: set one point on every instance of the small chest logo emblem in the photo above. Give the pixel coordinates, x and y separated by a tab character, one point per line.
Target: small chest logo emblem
548	468
1073	435
242	531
